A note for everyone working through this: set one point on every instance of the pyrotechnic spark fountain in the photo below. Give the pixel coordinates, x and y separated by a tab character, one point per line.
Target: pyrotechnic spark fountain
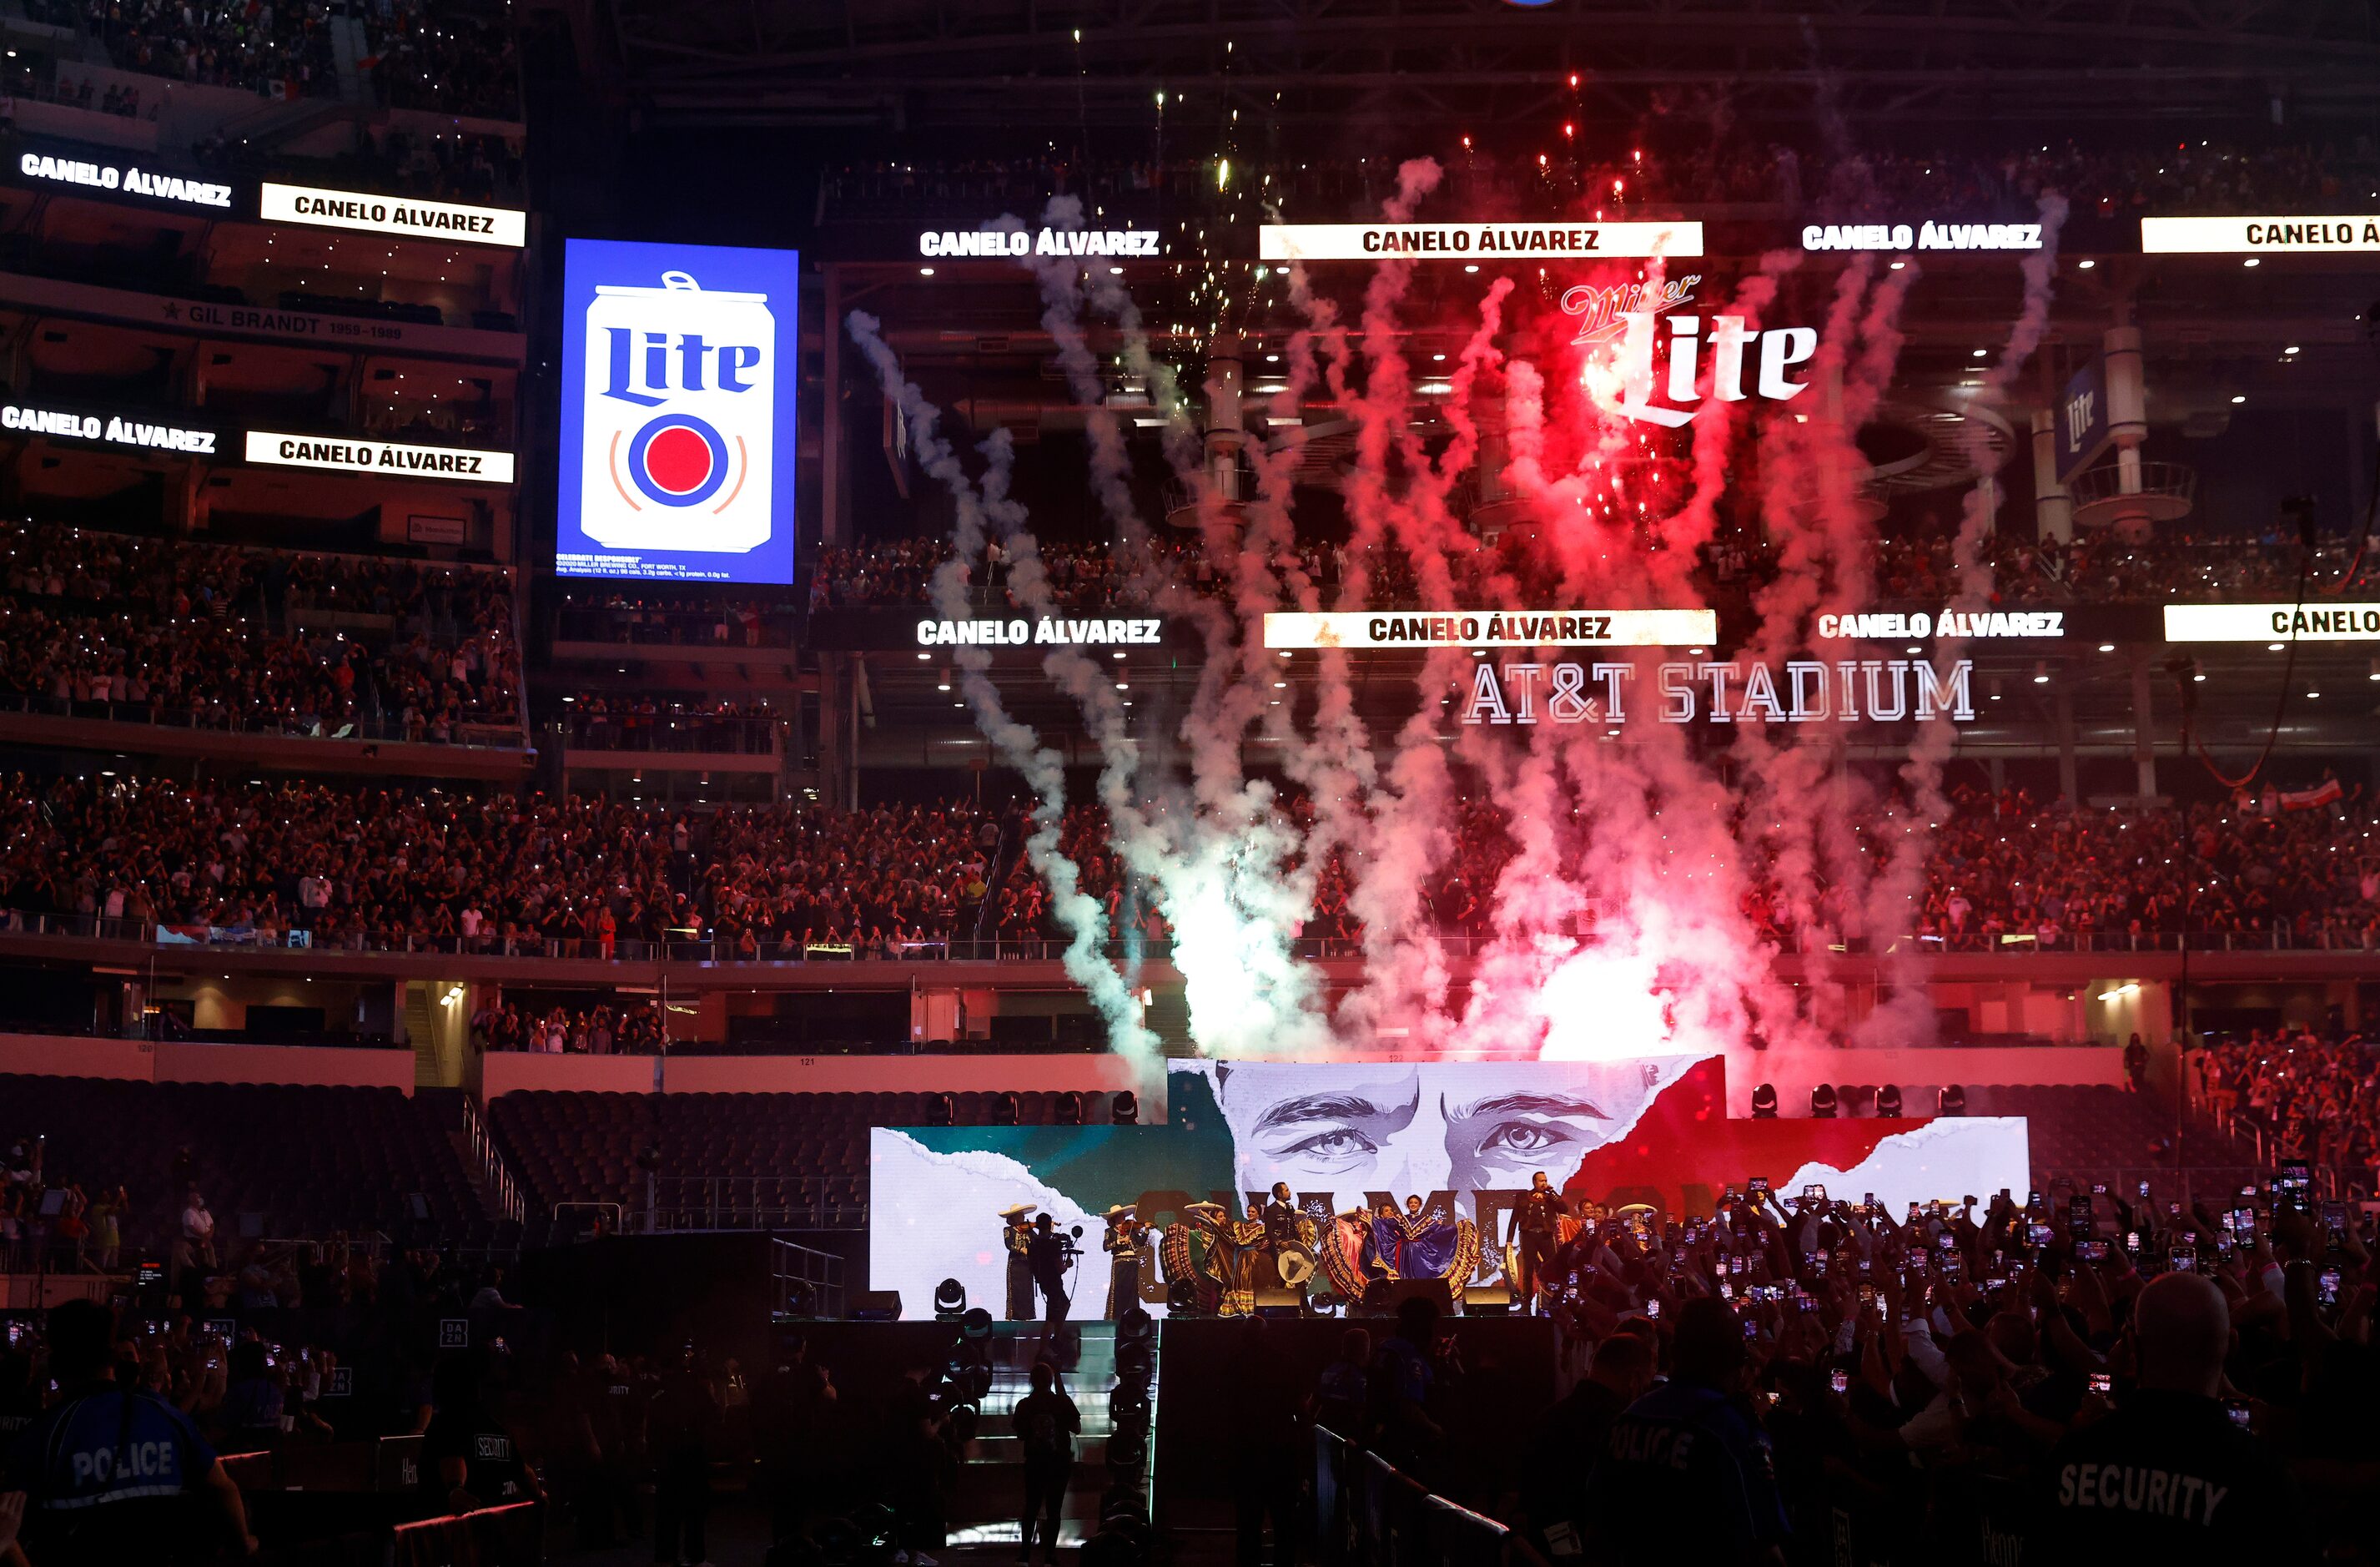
1621	919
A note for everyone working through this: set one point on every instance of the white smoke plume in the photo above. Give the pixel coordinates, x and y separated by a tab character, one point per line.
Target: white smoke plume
981	506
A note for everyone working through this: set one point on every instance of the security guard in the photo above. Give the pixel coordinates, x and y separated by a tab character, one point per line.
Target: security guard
114	1475
2169	1477
1686	1477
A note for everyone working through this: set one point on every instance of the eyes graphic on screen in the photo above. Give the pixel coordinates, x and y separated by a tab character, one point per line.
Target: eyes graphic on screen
1330	1134
1501	1141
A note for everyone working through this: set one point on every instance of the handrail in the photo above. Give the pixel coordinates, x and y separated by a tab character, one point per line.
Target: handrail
1038	948
492	1169
733	1202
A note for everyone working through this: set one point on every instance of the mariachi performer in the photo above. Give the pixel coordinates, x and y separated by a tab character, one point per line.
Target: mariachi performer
1291	1241
1017	1237
1233	1247
1538	1233
1127	1244
1182	1260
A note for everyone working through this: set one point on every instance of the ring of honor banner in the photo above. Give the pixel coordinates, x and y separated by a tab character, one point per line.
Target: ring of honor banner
1465	1136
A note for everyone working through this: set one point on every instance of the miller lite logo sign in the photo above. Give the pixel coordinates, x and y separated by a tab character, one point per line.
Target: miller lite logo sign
669	356
681	385
1603	313
1659	356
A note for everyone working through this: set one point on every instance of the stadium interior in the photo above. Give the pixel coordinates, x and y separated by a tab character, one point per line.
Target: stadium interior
665	668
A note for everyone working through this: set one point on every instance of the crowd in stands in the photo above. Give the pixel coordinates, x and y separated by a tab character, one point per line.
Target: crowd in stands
375	868
1082	575
716	618
452	61
442	57
621	723
368	868
2310	1096
1622	180
1909	567
261	46
624	1029
251	641
2007	868
2101	568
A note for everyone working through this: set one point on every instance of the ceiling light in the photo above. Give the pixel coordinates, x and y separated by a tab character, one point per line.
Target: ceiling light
2239	399
925	271
2249	262
2086	264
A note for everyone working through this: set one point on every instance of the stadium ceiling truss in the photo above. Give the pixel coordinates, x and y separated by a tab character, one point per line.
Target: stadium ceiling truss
901	62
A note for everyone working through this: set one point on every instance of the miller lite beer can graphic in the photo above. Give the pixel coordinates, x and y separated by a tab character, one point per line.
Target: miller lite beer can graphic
678	391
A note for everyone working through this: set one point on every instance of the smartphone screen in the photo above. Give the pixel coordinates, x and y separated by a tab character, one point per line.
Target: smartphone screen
2238	1409
2102	1383
1840	1381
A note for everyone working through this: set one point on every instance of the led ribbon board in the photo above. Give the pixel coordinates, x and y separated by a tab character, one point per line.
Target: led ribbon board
1560	239
1366	630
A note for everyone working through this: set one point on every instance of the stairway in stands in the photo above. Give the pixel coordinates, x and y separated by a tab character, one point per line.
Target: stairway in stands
986	1508
2105	1133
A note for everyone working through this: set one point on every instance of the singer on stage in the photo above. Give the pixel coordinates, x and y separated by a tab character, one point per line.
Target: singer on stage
1536	1237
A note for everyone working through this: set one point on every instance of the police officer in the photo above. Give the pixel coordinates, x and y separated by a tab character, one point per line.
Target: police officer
2169	1477
1685	1476
114	1475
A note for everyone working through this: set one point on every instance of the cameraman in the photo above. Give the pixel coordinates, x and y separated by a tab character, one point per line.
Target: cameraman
1048	1255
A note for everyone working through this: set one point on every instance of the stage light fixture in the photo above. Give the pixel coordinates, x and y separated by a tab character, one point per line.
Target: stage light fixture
1125	1108
1763	1102
940	1110
1005	1111
1888	1102
950	1301
1068	1111
1823	1102
1953	1101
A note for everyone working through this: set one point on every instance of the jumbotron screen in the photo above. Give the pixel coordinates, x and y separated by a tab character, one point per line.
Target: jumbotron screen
679	369
1348	1136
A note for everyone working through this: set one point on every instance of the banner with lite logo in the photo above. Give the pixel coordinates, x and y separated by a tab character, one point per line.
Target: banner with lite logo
1560	240
678	374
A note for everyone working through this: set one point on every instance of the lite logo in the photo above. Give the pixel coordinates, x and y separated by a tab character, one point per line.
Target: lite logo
2078	416
679	408
640	371
1643	346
